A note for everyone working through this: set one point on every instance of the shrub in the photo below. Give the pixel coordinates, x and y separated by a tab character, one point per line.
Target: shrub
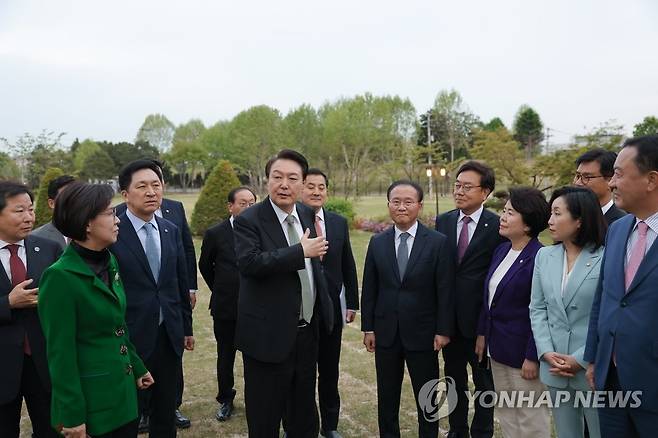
43	214
342	207
498	201
211	206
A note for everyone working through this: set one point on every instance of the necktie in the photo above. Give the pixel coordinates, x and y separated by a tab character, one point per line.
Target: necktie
18	275
462	243
403	254
637	253
151	250
318	228
307	292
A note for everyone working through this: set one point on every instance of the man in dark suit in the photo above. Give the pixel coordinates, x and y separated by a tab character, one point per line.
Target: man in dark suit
219	269
622	347
407	307
49	231
23	368
340	271
472	233
282	300
173	211
595	169
154	271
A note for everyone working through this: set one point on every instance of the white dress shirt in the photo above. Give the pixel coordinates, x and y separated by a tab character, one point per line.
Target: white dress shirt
410	240
5	254
282	215
472	225
138	225
607	206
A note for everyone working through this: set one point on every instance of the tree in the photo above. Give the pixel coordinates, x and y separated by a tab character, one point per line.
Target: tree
303	130
98	167
214	141
82	152
186	156
123	153
158	131
453	124
500	151
528	130
648	126
494	125
211	205
8	168
34	154
42	212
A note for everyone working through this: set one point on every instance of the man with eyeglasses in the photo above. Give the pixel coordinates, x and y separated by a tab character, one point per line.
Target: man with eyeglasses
219	269
472	238
594	171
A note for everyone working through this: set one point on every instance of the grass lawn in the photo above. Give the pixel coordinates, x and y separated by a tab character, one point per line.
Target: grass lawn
357	380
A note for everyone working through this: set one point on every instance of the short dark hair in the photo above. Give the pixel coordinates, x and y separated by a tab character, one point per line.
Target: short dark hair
288	154
532	206
606	160
58	183
316	171
647	152
405	182
487	174
9	189
76	206
126	174
583	205
231	195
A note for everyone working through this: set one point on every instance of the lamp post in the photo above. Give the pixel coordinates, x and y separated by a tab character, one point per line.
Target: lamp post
443	173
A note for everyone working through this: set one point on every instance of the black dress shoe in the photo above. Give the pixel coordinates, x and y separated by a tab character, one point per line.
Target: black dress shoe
143	426
224	412
453	434
330	434
182	422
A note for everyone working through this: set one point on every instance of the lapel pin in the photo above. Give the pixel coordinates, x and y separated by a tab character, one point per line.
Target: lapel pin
521	261
166	230
37	249
588	264
116	277
486	225
167	211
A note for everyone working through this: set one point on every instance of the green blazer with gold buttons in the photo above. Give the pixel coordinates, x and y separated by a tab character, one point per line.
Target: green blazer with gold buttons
93	365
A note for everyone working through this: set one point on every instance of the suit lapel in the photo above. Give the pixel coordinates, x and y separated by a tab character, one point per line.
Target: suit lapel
452	229
165	246
271	224
556	271
616	256
228	229
389	252
74	263
521	261
34	263
416	249
584	264
131	240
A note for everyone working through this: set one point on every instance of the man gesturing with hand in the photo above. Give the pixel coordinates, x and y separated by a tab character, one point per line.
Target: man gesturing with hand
282	302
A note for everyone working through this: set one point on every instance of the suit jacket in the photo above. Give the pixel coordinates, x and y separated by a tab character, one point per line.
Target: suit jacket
270	291
338	263
92	362
560	321
145	296
506	324
472	271
613	214
625	321
174	212
15	323
48	231
420	305
219	268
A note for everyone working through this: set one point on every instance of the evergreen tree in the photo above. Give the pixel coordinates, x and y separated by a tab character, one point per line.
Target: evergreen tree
211	205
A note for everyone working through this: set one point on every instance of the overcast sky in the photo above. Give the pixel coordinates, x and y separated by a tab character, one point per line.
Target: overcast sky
96	69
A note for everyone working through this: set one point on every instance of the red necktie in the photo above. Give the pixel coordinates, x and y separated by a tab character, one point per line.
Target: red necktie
318	228
18	275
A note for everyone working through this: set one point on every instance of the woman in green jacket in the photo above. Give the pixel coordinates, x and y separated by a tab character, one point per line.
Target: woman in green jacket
93	365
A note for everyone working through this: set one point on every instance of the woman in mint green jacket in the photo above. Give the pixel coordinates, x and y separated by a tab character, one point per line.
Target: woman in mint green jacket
94	369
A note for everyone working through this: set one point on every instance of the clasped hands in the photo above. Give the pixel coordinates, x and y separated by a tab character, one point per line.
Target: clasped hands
563	365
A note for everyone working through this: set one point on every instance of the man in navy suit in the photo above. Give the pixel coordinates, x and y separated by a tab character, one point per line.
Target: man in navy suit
340	271
406	304
472	233
622	341
153	268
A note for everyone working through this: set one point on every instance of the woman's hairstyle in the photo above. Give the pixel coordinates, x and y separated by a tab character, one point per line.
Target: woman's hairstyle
583	205
532	206
79	204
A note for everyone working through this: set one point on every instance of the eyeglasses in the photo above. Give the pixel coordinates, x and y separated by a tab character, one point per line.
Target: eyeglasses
396	203
110	212
465	187
585	178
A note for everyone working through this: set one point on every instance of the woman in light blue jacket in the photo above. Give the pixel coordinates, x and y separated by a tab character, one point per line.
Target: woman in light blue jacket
563	285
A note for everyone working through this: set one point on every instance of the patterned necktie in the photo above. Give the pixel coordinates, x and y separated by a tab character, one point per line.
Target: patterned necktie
151	250
18	275
318	229
462	243
307	292
403	254
637	253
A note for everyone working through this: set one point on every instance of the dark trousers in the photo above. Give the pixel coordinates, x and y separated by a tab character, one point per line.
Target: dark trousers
164	365
328	371
37	400
180	387
423	366
128	430
625	422
225	336
458	355
270	389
